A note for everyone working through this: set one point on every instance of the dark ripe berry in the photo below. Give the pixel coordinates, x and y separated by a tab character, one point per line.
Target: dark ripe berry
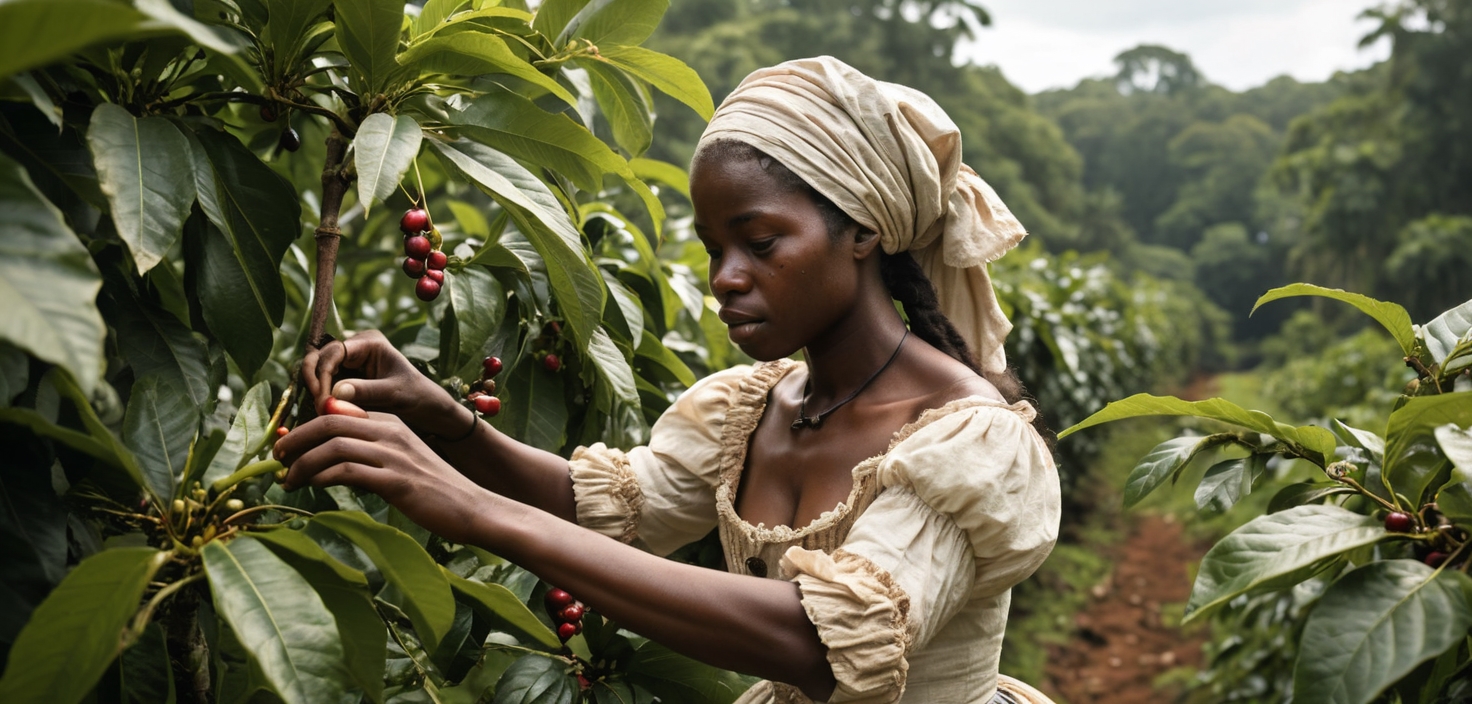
572	614
557	600
417	246
415	221
1434	558
566	631
488	405
1398	522
268	112
551	363
413	267
583	682
290	140
437	260
437	274
427	289
492	366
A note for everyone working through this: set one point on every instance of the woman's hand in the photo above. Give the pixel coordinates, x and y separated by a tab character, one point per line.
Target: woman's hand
389	383
380	454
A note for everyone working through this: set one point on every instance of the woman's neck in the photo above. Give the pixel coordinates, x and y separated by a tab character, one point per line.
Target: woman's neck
840	363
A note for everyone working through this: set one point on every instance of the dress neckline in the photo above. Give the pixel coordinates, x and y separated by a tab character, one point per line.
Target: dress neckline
747	406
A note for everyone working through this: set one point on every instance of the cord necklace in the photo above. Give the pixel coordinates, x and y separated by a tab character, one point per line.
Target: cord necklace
815	422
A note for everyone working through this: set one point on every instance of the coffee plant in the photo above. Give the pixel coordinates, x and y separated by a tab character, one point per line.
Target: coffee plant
1359	574
196	192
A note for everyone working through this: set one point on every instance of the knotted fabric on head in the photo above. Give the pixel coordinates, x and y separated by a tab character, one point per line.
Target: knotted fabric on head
890	158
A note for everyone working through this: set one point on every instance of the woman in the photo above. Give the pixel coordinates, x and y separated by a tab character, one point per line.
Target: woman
876	502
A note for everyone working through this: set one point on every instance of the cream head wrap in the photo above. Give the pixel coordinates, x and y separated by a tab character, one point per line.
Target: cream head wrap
890	158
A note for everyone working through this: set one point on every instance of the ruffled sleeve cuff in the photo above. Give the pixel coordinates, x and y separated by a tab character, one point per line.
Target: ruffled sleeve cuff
606	491
862	615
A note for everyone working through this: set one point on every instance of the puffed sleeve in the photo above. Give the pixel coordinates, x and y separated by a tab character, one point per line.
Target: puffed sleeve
968	507
662	495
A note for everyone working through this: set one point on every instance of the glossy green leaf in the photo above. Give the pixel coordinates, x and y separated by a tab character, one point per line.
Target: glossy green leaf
1225	483
434	12
76	633
615	376
403	563
675	678
1391	316
537	679
651	348
666	73
1301	493
1374	625
146	673
1457	444
1415	421
163	13
1317	442
39	32
368	32
48	282
610	23
1276	547
247	430
481	679
159	426
143	165
539	216
1362	439
629	318
623	105
39	98
553	15
154	342
288	21
479	304
1446	330
474	54
500	606
345	593
290	634
384	149
663	172
533	408
1163	462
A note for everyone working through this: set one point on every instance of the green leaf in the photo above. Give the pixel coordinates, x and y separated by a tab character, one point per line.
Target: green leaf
288	21
385	147
143	166
153	341
76	633
368	32
1276	549
1415	421
1164	462
98	441
533	408
479	303
434	12
1317	442
1300	493
623	105
163	12
38	32
147	675
675	678
474	54
48	282
553	15
290	634
1444	331
666	73
1391	316
1457	444
653	349
345	593
663	172
159	426
500	606
247	431
1362	439
1373	626
404	564
610	23
536	679
615	376
539	216
1225	483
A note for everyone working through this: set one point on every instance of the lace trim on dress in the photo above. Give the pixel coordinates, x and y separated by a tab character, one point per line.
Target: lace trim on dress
599	470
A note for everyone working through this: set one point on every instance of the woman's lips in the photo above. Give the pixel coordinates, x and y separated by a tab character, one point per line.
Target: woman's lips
741	325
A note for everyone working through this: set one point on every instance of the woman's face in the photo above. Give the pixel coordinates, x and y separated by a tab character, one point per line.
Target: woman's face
781	280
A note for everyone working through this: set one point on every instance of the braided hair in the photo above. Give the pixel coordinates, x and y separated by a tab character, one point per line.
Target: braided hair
906	281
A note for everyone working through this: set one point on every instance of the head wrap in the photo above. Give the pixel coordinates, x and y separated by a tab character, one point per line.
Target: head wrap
890	158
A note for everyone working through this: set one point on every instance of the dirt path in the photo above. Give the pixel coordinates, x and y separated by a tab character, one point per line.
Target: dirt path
1119	645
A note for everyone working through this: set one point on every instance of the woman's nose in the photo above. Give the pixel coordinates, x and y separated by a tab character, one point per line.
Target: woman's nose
729	274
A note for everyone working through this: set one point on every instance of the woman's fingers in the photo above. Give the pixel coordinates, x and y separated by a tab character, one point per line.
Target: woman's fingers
321	429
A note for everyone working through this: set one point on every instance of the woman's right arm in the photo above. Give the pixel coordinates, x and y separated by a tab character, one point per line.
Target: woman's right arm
390	384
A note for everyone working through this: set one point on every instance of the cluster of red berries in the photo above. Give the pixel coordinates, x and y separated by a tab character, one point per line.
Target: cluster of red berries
482	392
423	259
566	611
1400	522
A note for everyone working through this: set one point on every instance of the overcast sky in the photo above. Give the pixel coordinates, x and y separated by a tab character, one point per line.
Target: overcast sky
1042	44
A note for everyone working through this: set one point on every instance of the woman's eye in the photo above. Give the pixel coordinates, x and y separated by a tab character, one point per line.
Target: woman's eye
763	246
712	252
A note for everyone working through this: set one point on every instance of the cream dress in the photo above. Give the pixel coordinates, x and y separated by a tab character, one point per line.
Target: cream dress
908	581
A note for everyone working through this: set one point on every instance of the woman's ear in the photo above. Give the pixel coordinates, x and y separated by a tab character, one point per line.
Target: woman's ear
866	242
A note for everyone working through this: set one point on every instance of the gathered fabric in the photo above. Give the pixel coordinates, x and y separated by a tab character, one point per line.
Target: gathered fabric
889	157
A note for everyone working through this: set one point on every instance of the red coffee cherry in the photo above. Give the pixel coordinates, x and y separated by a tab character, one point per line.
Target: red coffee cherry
492	367
417	246
1434	558
427	289
290	140
566	631
415	221
437	260
572	614
413	267
436	274
1398	522
557	600
268	112
551	363
488	405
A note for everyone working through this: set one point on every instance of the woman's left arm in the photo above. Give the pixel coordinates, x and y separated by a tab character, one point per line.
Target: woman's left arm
742	623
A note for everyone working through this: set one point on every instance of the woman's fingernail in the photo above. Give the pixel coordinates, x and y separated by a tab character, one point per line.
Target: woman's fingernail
278	451
344	391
